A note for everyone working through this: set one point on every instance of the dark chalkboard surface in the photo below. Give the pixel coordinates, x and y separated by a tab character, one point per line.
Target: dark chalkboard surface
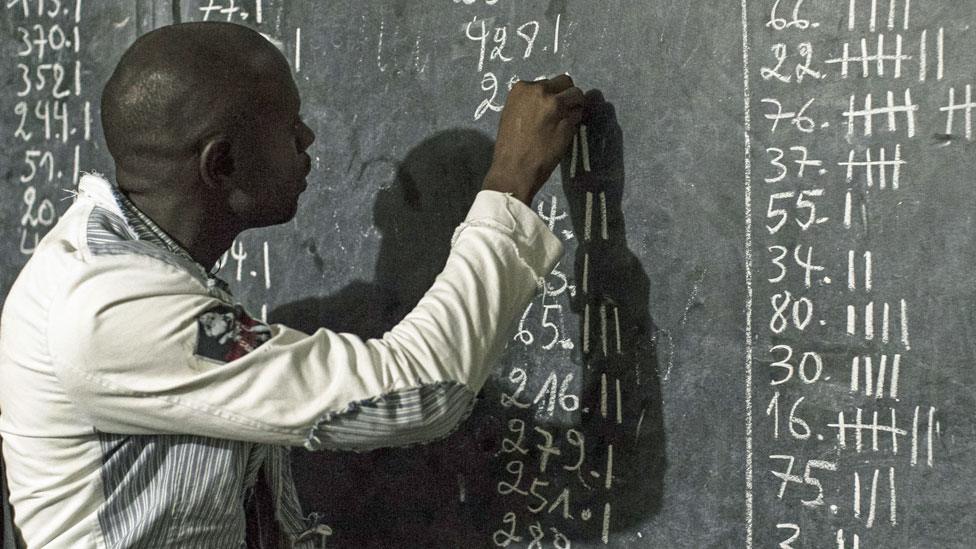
759	335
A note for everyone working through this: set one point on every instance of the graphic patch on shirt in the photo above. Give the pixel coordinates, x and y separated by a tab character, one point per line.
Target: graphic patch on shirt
226	333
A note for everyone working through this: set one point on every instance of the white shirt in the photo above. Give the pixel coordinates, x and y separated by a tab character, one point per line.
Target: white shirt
138	402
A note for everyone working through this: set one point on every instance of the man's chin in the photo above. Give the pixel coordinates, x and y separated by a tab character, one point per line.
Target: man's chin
276	217
287	216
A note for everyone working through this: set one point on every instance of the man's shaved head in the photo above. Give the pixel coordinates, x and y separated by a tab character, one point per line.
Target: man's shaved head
203	121
177	86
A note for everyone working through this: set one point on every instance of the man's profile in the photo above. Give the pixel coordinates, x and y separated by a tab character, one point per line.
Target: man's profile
141	404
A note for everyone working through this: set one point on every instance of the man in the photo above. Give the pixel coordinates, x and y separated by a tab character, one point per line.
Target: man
129	417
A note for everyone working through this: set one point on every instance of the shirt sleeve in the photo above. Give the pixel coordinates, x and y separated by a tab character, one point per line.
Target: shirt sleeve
133	343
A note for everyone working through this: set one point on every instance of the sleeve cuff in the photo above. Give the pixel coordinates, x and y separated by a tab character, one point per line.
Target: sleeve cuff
537	246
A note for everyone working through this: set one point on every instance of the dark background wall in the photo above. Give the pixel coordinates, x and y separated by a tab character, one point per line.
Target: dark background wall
697	303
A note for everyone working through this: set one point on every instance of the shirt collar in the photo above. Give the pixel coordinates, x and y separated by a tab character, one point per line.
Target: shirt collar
107	194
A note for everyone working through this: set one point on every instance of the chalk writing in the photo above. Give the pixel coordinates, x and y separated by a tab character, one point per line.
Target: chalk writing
884	63
51	116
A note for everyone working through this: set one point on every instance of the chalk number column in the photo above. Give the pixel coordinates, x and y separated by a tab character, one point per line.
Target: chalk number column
836	434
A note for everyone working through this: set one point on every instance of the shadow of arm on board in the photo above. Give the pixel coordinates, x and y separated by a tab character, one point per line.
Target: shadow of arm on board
583	460
622	388
450	493
428	495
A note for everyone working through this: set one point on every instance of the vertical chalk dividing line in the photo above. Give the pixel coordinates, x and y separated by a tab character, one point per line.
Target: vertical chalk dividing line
584	148
904	326
868	376
586	328
898	55
588	217
851	280
874	431
747	181
968	112
893	387
616	323
604	233
267	268
77	77
922	57
874	499
76	168
620	410
884	322
572	159
298	49
892	507
915	437
931	425
949	110
603	328
869	321
847	210
909	108
894	434
259	9
603	395
868	270
586	272
882	366
555	40
841	431
88	120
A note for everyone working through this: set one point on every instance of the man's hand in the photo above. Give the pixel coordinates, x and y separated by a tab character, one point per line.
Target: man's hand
536	127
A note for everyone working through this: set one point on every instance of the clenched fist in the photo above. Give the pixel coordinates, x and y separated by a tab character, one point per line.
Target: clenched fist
536	127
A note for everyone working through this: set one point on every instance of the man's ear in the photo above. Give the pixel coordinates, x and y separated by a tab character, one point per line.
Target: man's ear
216	162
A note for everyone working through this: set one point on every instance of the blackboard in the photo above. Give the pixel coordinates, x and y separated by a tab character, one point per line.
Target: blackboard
761	332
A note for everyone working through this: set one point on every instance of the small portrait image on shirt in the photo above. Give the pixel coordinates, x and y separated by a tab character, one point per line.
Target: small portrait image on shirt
226	333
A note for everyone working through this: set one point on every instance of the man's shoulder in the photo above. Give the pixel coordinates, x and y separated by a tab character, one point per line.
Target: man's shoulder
100	228
91	256
91	233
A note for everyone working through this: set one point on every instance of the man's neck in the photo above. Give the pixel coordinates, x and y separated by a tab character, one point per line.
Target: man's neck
185	219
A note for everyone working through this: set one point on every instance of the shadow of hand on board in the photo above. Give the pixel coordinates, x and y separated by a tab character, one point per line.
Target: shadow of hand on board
446	493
